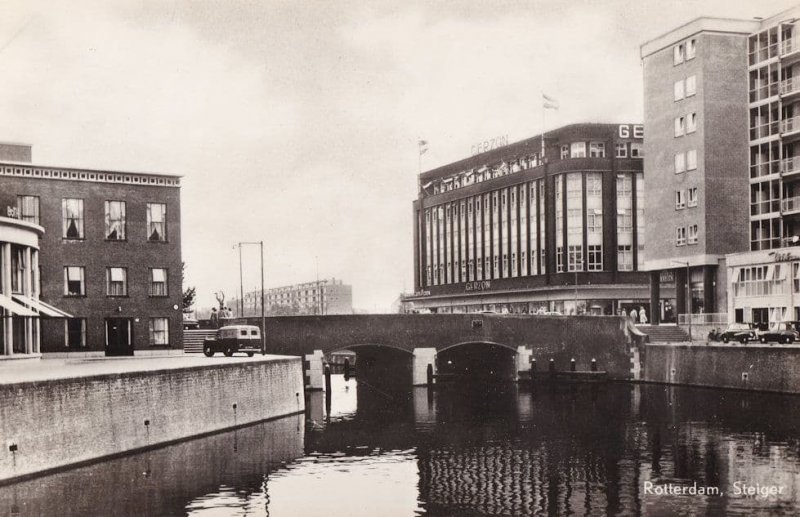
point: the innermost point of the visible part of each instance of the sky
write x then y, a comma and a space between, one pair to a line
296, 122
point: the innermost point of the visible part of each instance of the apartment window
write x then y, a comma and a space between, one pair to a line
691, 123
691, 85
74, 281
156, 222
680, 199
17, 269
28, 208
159, 331
621, 150
115, 220
680, 163
564, 151
158, 282
72, 218
692, 196
625, 257
637, 151
575, 258
691, 49
691, 160
680, 236
577, 150
595, 257
678, 90
597, 149
116, 281
692, 234
677, 54
75, 332
680, 126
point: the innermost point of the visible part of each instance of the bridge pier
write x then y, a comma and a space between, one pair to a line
313, 370
524, 354
422, 358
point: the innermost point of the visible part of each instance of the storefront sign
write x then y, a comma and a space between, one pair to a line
12, 212
481, 285
783, 256
488, 145
667, 277
637, 130
422, 293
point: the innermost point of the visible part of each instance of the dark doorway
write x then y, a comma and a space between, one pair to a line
119, 336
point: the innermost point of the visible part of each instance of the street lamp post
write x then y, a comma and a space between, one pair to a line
263, 313
688, 293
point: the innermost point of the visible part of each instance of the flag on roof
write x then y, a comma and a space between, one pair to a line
549, 102
423, 147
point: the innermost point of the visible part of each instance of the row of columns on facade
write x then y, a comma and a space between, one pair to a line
29, 289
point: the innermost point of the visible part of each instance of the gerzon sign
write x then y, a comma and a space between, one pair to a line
481, 285
488, 145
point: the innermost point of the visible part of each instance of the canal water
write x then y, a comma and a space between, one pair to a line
617, 449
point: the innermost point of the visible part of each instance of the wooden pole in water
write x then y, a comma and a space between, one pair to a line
430, 375
328, 378
572, 364
347, 369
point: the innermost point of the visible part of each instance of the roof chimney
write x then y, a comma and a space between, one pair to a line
15, 152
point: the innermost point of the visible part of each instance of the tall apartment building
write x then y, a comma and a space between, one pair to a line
722, 108
326, 296
109, 253
510, 230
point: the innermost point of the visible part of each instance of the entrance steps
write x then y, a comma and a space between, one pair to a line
193, 340
664, 333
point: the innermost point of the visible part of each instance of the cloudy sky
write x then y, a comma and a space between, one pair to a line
296, 122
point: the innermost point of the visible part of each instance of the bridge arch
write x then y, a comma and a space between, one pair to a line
341, 348
479, 342
478, 358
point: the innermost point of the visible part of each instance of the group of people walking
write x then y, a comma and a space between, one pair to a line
224, 313
640, 317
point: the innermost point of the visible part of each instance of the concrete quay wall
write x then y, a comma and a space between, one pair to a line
55, 423
751, 367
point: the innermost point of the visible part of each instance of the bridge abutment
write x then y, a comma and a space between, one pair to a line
422, 358
313, 370
524, 354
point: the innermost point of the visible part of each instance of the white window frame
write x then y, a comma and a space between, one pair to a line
597, 149
158, 336
691, 86
680, 126
691, 199
577, 150
691, 49
73, 210
637, 150
80, 271
680, 236
691, 123
680, 199
564, 151
116, 275
621, 150
678, 92
82, 344
680, 163
691, 160
692, 234
159, 277
677, 54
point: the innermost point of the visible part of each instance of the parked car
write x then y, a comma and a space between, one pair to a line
234, 338
783, 332
741, 332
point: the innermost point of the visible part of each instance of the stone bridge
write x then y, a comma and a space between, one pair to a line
430, 338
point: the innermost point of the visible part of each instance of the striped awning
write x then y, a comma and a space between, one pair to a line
15, 308
44, 309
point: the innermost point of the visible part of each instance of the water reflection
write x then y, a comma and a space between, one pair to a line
462, 450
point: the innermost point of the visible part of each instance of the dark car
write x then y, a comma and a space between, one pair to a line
783, 332
234, 338
741, 332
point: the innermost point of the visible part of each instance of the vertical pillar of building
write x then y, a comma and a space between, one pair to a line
35, 294
419, 248
27, 289
655, 296
709, 298
5, 249
680, 290
422, 358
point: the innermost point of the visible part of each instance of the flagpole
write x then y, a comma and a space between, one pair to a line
419, 166
541, 161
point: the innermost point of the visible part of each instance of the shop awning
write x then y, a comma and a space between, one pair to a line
15, 308
43, 308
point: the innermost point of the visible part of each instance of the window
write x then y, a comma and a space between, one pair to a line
564, 151
117, 281
72, 218
691, 123
625, 257
115, 220
159, 331
156, 222
17, 269
28, 208
693, 196
680, 163
677, 54
636, 150
75, 332
693, 234
680, 126
678, 90
691, 85
691, 49
680, 199
621, 150
158, 282
595, 257
74, 281
691, 160
577, 150
680, 236
597, 149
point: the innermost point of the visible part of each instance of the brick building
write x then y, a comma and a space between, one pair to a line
512, 230
110, 253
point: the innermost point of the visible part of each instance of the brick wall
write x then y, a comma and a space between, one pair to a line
62, 422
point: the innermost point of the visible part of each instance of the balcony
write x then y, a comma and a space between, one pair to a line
790, 205
790, 126
790, 50
790, 166
790, 86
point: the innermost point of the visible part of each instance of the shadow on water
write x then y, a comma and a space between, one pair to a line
463, 449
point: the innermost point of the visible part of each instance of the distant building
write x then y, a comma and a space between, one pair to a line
109, 253
510, 230
327, 296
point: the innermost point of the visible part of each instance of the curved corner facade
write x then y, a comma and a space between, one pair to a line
553, 224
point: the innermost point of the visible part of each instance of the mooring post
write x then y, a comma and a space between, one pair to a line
551, 365
347, 369
429, 373
594, 364
572, 364
327, 378
533, 364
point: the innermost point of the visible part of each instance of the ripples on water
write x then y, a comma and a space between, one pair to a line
460, 451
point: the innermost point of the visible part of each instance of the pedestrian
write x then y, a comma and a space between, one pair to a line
642, 316
634, 316
214, 317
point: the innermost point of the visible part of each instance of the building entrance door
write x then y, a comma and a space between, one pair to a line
119, 336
